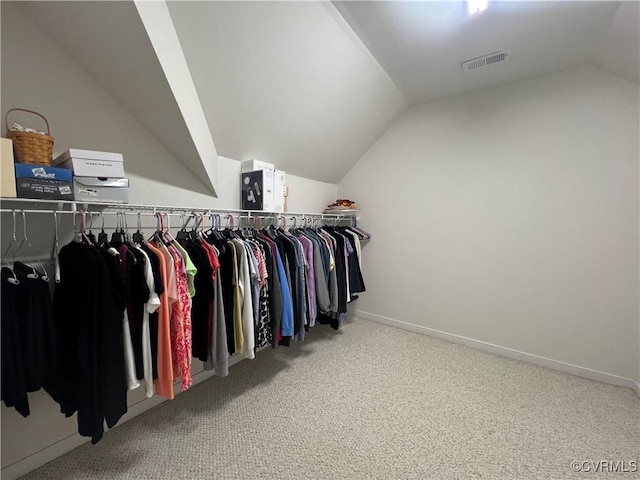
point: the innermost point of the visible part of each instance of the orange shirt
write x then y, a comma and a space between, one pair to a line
164, 382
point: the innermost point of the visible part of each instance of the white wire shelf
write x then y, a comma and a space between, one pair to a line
28, 205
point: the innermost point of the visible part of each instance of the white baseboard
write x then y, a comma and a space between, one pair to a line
506, 352
59, 448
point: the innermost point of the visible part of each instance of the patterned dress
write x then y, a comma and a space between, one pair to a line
181, 325
264, 333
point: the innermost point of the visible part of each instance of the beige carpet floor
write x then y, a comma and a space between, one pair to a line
371, 402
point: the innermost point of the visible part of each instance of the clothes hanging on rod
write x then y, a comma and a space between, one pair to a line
29, 359
130, 312
89, 304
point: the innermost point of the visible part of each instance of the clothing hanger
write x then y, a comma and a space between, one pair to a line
79, 235
195, 233
138, 237
125, 232
127, 237
90, 235
117, 238
218, 232
84, 226
281, 228
103, 238
210, 230
292, 230
182, 233
213, 233
13, 279
25, 241
166, 236
308, 223
227, 232
242, 231
55, 249
157, 235
198, 229
77, 238
215, 236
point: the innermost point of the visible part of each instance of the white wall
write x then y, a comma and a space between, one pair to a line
510, 216
37, 75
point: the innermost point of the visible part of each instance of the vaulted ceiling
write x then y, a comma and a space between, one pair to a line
421, 45
310, 86
286, 82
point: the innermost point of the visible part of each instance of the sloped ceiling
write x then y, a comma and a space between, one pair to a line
109, 41
310, 86
286, 82
422, 44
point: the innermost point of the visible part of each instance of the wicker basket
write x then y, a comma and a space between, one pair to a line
30, 147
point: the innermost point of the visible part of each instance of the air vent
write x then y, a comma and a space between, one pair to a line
485, 61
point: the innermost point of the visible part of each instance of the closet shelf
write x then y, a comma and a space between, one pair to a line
65, 206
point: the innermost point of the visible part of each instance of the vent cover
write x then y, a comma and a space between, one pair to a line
485, 61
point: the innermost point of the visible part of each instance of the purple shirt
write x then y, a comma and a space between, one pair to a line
307, 246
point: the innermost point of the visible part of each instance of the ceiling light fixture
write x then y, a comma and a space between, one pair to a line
477, 6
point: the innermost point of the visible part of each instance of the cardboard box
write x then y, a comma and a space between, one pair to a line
100, 189
279, 188
256, 190
90, 163
7, 169
254, 165
43, 183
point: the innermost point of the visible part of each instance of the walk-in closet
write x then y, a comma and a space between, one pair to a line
320, 239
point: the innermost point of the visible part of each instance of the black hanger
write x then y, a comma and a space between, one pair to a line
103, 239
194, 234
117, 238
90, 235
138, 237
182, 233
207, 234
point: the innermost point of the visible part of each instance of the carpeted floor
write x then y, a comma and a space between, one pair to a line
371, 402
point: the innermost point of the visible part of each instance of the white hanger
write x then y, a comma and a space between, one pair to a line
13, 279
56, 249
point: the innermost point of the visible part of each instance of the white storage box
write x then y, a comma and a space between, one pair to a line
254, 165
100, 189
279, 188
90, 163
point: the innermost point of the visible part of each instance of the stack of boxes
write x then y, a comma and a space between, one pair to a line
97, 176
262, 187
31, 180
80, 175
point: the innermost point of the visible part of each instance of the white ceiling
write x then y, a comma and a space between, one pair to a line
422, 44
292, 84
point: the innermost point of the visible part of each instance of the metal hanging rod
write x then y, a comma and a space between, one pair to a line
71, 206
177, 213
